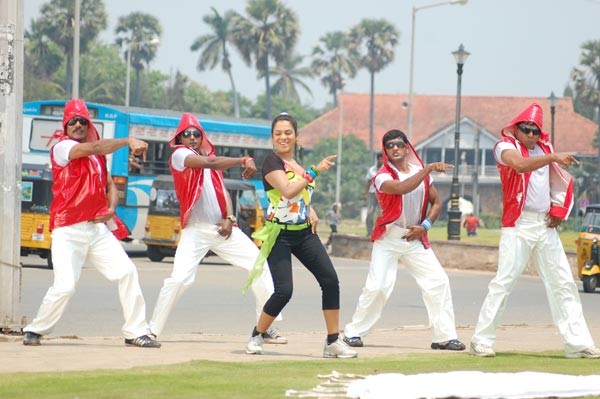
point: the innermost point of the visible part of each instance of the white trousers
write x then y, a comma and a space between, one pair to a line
196, 240
423, 266
531, 237
94, 245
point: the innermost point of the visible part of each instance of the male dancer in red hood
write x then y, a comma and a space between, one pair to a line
207, 221
410, 204
85, 198
537, 196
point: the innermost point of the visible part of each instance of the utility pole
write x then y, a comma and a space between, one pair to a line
11, 119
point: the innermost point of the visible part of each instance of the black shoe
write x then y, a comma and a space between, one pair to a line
452, 345
32, 339
355, 342
143, 341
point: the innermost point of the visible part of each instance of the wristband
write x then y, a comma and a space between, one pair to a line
312, 173
308, 177
314, 169
427, 223
246, 159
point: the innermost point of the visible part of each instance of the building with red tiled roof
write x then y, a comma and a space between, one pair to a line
482, 118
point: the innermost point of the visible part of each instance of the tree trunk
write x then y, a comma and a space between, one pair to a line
137, 88
236, 104
268, 88
371, 118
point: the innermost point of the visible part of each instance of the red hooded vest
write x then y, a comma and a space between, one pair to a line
79, 189
514, 185
391, 204
188, 183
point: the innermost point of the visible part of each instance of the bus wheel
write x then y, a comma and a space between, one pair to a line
590, 283
154, 253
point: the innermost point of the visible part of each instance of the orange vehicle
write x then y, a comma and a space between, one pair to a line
36, 196
588, 261
163, 227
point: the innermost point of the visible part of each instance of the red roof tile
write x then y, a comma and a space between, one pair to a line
573, 132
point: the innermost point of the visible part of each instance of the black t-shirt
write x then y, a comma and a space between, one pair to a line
272, 162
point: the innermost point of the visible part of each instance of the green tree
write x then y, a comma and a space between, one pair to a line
57, 20
586, 79
137, 32
372, 45
333, 62
289, 74
102, 72
355, 162
214, 48
270, 30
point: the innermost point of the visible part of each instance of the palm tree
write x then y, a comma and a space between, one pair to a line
271, 30
333, 61
56, 22
137, 30
377, 38
215, 48
289, 74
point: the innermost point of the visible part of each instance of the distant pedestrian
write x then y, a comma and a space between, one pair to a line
334, 217
471, 223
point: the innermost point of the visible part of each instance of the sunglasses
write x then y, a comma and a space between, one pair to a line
82, 121
191, 132
391, 144
527, 130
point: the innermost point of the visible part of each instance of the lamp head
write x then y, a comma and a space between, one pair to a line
461, 55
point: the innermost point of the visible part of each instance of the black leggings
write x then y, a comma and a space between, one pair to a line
309, 250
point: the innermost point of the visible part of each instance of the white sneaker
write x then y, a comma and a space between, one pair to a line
255, 345
338, 349
588, 353
273, 336
482, 350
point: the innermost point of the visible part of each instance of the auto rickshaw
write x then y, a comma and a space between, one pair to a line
36, 196
588, 261
163, 226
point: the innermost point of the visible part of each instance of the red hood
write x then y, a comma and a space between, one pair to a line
77, 107
187, 121
533, 113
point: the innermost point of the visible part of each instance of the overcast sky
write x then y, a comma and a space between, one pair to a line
518, 47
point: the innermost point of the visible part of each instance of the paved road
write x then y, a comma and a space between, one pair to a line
214, 304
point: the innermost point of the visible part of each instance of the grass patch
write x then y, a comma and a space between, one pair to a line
261, 380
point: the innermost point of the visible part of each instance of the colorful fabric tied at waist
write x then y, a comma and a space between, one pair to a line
268, 235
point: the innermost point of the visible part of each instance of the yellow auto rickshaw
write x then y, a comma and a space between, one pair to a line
163, 227
36, 196
588, 261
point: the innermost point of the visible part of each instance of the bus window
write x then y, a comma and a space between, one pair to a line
42, 133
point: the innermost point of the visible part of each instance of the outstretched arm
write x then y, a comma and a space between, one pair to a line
408, 185
108, 146
220, 163
515, 160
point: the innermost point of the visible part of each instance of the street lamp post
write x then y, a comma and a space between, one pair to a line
552, 99
412, 57
454, 214
128, 79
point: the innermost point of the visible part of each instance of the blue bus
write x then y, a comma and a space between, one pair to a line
231, 137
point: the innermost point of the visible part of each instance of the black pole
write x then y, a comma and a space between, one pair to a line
454, 212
